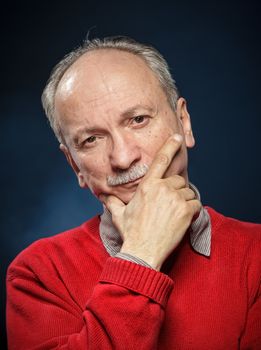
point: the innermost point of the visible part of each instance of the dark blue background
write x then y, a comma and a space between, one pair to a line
213, 48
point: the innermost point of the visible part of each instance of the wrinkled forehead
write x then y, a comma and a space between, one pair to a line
105, 71
101, 87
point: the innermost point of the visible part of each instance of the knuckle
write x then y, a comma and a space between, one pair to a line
179, 181
175, 141
195, 208
144, 188
162, 158
191, 193
199, 205
182, 181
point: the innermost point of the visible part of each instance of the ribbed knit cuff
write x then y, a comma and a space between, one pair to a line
142, 280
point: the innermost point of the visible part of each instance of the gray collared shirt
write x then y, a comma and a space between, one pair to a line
200, 234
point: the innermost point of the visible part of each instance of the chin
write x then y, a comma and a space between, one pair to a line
125, 196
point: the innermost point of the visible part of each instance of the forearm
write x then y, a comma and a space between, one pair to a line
125, 310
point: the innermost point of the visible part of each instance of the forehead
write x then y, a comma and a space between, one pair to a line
103, 83
105, 71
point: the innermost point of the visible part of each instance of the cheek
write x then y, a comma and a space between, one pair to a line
94, 170
153, 141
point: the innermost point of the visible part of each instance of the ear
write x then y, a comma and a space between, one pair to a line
72, 163
184, 118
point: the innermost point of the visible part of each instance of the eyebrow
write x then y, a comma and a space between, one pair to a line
128, 113
80, 132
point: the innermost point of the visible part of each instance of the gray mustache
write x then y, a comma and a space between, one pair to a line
132, 174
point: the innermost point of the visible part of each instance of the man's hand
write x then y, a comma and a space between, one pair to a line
154, 222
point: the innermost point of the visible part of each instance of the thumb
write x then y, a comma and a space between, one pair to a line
112, 203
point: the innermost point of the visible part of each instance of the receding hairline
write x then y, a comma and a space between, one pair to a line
149, 76
153, 59
104, 50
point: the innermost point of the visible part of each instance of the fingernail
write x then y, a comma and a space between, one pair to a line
177, 137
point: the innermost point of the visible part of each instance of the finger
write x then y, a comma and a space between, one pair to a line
195, 206
176, 182
164, 157
112, 203
187, 194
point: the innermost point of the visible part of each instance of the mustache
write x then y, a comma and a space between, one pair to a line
132, 174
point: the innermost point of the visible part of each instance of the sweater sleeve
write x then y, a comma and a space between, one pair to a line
252, 336
124, 311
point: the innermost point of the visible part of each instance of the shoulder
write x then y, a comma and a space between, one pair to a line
60, 246
247, 230
237, 245
237, 242
234, 239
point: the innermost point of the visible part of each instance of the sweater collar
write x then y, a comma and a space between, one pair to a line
200, 231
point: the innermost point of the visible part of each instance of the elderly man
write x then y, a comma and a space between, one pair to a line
156, 270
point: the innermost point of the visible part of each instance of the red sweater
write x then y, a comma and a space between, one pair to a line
65, 292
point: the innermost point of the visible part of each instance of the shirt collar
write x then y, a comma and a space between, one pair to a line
200, 231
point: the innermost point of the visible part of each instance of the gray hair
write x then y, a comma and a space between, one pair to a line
154, 60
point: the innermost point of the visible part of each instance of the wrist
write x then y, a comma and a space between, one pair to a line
149, 260
132, 258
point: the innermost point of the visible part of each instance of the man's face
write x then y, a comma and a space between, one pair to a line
114, 117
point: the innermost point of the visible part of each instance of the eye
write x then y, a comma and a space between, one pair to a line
139, 119
90, 139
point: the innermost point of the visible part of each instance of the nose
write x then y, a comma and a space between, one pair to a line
124, 152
